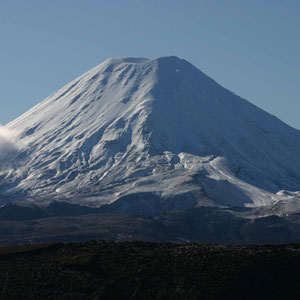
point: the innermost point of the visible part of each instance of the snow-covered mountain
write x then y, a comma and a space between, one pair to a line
148, 135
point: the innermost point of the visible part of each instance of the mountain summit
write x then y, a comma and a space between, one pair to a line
149, 135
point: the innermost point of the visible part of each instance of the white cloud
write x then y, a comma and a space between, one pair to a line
8, 142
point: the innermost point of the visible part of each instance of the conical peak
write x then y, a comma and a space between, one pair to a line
161, 65
131, 117
161, 61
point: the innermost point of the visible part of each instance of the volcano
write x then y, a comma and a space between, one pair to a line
151, 135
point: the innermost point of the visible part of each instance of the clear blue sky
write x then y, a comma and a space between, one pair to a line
250, 47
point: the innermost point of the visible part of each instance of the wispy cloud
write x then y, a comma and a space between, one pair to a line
9, 142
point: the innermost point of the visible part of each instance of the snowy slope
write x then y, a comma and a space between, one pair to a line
157, 130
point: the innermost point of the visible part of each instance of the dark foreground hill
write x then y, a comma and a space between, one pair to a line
140, 270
